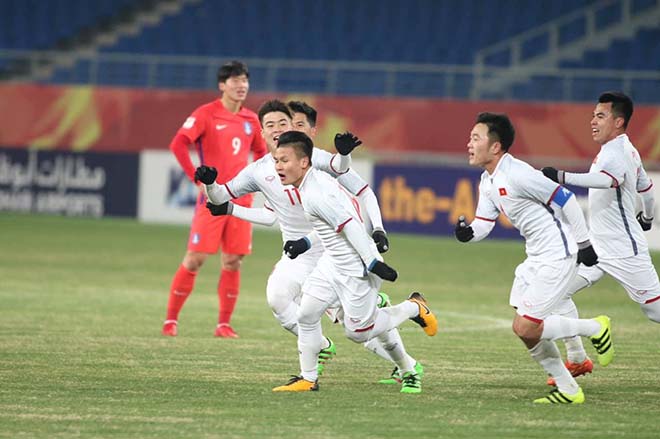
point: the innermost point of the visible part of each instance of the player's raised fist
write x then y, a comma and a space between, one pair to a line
206, 174
383, 271
463, 232
346, 142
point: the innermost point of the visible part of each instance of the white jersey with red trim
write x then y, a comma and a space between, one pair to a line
283, 200
615, 231
329, 207
524, 195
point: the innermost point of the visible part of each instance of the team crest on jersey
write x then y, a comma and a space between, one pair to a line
502, 191
248, 128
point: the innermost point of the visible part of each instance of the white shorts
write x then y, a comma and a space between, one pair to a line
540, 286
636, 274
356, 295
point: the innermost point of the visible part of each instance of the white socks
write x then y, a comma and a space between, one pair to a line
547, 355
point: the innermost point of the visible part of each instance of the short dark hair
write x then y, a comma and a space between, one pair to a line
500, 128
271, 107
306, 109
622, 105
299, 141
232, 68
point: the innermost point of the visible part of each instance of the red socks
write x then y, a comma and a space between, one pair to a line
182, 286
228, 294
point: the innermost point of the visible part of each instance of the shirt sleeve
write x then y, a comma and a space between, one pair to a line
608, 162
194, 126
321, 160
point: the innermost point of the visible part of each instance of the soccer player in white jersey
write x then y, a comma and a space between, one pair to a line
349, 272
284, 285
615, 181
550, 220
304, 120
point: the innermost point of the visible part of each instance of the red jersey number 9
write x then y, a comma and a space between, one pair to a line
236, 144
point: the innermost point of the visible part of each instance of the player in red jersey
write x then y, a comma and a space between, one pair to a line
223, 133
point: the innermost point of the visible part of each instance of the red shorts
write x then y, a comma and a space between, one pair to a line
209, 233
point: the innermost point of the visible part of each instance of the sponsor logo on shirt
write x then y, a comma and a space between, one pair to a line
220, 127
502, 191
270, 178
247, 127
189, 123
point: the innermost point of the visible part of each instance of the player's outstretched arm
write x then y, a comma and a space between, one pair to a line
596, 180
261, 216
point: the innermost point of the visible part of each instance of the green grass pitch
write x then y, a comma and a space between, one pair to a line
82, 302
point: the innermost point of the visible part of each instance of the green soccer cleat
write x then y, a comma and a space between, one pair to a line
395, 377
557, 397
603, 341
325, 355
383, 300
411, 383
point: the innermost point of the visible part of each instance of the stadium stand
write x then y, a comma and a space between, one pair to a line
370, 47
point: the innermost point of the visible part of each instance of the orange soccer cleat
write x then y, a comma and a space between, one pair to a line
225, 331
576, 370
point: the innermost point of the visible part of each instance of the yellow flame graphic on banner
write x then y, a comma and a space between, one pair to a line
75, 120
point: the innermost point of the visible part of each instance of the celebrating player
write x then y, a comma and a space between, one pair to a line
224, 133
540, 210
349, 273
615, 179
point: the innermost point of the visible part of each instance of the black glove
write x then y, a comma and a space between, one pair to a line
383, 271
382, 243
220, 209
645, 222
294, 248
463, 232
553, 174
206, 174
346, 142
586, 254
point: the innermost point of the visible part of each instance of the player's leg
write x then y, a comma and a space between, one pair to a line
310, 343
236, 242
204, 239
535, 293
577, 361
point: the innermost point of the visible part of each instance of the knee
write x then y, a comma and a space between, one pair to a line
193, 261
231, 262
307, 317
526, 333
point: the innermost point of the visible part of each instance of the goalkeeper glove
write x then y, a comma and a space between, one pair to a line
586, 254
346, 142
380, 238
645, 222
554, 174
225, 208
206, 174
383, 271
294, 248
463, 232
